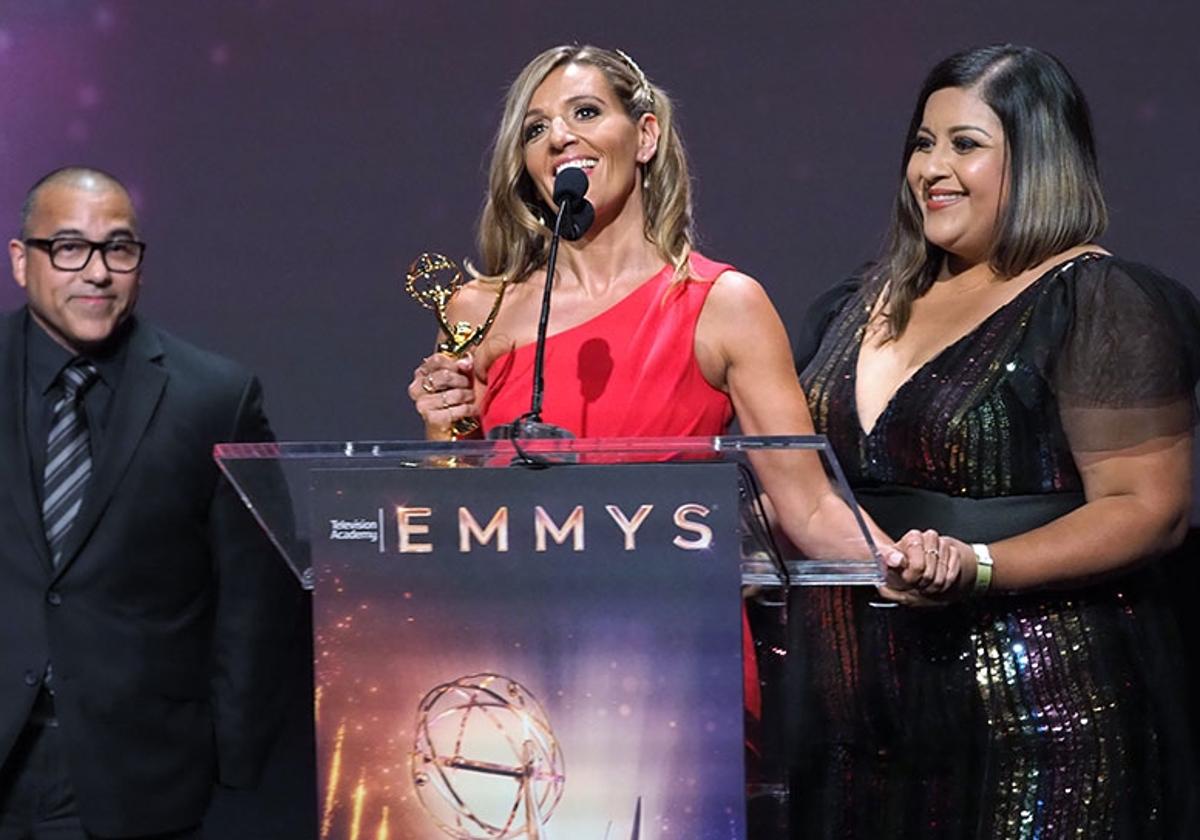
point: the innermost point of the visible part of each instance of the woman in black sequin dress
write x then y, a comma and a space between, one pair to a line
1003, 380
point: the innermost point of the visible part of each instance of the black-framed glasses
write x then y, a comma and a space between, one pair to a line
70, 253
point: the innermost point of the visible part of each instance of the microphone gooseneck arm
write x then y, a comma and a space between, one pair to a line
539, 356
575, 215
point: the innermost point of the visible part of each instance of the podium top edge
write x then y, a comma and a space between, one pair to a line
366, 449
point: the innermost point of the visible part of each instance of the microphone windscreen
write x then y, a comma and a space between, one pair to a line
570, 186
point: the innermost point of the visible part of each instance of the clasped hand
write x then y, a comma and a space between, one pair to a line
928, 569
442, 389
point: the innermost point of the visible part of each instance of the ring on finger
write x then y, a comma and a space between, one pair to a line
445, 404
932, 552
427, 384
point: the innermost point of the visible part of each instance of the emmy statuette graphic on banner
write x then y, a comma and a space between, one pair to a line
486, 764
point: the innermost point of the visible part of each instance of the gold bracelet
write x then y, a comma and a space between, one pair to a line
983, 568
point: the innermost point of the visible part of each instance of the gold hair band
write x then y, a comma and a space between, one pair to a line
643, 82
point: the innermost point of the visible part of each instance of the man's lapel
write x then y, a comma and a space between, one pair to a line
142, 382
15, 472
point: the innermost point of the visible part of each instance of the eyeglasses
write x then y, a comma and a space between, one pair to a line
70, 254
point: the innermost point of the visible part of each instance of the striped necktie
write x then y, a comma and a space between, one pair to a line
68, 456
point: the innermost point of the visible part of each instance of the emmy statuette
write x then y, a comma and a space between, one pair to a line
431, 281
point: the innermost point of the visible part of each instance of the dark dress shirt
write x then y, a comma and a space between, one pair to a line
44, 361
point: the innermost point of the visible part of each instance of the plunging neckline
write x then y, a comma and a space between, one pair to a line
864, 432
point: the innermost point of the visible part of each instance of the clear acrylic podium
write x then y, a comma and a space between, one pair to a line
544, 638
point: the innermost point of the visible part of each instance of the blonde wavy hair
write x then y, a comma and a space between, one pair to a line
513, 239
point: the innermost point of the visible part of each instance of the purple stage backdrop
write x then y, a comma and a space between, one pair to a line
290, 157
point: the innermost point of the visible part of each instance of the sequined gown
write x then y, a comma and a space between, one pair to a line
1039, 715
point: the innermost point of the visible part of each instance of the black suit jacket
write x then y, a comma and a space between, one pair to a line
162, 617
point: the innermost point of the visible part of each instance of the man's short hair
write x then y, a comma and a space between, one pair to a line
79, 176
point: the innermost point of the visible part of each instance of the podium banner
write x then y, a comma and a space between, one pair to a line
533, 653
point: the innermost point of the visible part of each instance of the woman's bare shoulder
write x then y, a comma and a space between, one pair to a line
738, 296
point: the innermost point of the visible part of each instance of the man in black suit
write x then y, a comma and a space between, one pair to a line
139, 604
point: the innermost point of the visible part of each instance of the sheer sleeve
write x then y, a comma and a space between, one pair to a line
821, 312
1127, 365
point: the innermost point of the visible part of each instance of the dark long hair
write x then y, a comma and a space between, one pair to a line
1054, 196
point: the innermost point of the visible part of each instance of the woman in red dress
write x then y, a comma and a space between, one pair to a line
647, 337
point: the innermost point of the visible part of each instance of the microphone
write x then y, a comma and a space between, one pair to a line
575, 216
570, 186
